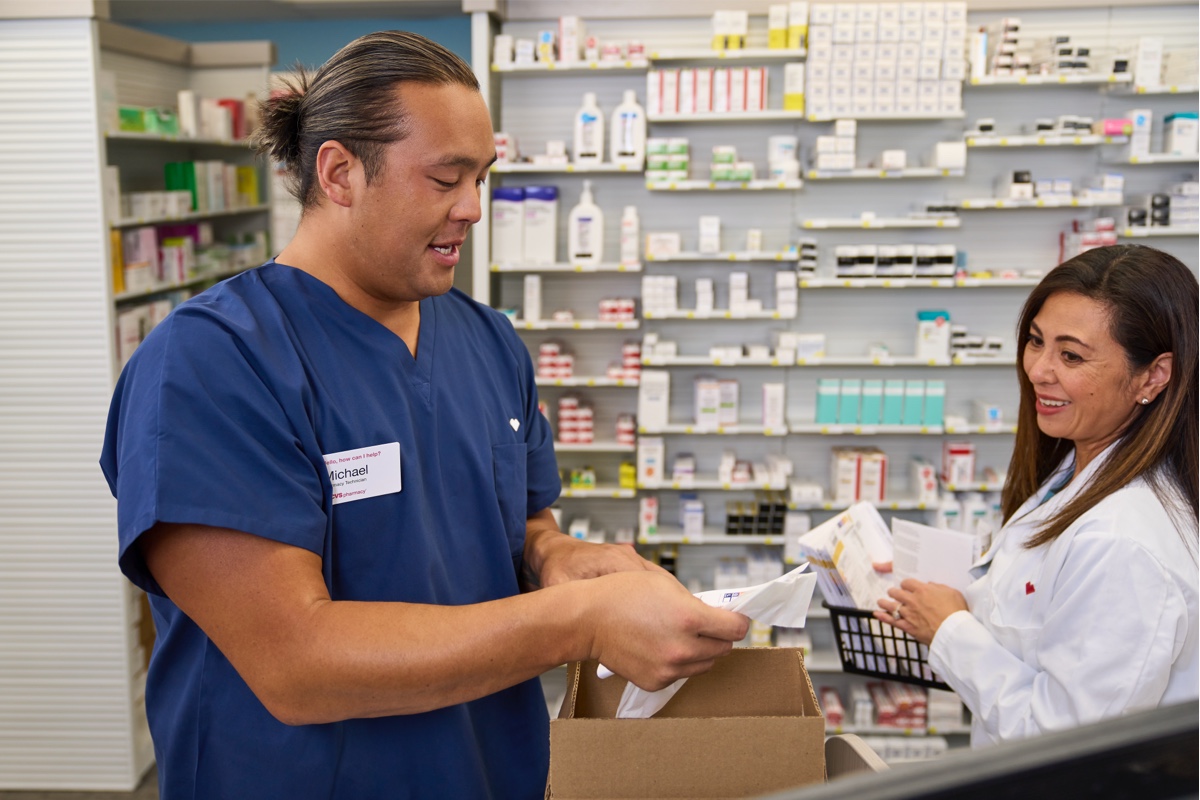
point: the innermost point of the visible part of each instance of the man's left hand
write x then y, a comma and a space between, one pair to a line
552, 557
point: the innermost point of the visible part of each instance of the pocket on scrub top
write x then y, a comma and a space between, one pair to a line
508, 466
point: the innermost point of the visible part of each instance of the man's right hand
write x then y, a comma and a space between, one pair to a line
649, 629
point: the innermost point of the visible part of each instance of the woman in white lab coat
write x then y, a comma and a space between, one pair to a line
1086, 605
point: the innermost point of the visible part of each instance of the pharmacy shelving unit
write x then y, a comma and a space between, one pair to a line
140, 158
1056, 80
1157, 158
1042, 140
874, 223
872, 173
1173, 231
857, 315
71, 654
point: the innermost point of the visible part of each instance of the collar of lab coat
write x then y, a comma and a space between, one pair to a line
1031, 514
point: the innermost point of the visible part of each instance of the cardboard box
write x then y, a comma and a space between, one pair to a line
748, 727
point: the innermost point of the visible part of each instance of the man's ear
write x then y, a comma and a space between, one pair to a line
336, 171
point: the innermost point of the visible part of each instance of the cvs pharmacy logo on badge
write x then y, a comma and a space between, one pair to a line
365, 472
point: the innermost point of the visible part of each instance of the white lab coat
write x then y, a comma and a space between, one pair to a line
1099, 622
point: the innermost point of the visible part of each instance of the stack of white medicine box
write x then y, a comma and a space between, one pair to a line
1185, 204
660, 294
1148, 61
837, 152
885, 59
1179, 67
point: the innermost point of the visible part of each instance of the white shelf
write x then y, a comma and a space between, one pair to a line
567, 267
916, 283
714, 315
699, 185
709, 485
123, 297
714, 485
519, 167
842, 429
1159, 158
887, 117
830, 361
1182, 88
708, 536
731, 116
195, 215
976, 486
899, 504
996, 283
557, 68
129, 136
879, 223
607, 492
743, 54
1036, 202
905, 361
720, 430
873, 173
588, 381
1159, 231
709, 361
728, 255
1043, 140
1052, 80
980, 429
575, 325
594, 447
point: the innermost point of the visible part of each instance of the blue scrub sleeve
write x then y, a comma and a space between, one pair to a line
200, 433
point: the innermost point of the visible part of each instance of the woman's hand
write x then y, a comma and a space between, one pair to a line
919, 608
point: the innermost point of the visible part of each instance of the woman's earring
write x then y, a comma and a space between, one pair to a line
1145, 401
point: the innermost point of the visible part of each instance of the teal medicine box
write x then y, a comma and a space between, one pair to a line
893, 402
827, 400
914, 402
935, 400
870, 411
849, 401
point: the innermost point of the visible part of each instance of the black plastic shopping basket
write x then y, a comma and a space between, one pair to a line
869, 647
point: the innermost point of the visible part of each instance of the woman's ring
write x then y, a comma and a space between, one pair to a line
896, 612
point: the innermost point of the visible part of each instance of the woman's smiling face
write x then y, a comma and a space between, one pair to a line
1084, 389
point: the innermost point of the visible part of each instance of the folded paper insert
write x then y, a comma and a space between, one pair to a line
783, 602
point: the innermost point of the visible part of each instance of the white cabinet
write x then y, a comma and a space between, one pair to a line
71, 659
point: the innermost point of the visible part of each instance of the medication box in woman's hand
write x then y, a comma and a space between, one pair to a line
749, 726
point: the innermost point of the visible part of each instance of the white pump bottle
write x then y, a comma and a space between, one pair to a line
585, 230
589, 131
628, 140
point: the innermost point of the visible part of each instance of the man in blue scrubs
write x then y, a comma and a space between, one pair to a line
334, 481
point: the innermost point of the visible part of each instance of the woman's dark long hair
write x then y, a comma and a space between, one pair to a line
1152, 302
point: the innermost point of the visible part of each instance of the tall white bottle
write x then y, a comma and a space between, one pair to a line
628, 141
585, 230
631, 234
589, 131
948, 513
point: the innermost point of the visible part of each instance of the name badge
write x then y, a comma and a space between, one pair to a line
365, 472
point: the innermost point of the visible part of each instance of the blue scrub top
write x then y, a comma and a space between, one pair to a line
222, 418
